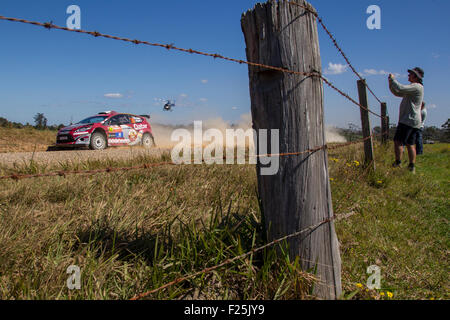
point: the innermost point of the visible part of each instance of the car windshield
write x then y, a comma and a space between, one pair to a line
96, 119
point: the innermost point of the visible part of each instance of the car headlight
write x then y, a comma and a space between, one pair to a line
82, 129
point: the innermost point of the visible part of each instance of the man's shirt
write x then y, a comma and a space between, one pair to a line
411, 104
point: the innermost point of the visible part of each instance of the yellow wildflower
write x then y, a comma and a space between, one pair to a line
390, 294
359, 285
379, 182
331, 179
356, 163
382, 293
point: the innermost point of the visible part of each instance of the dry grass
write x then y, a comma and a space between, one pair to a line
25, 140
134, 231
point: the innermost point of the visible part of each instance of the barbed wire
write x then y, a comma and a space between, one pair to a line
49, 25
62, 173
151, 165
333, 39
242, 256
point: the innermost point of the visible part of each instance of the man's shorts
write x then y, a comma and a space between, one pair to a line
405, 135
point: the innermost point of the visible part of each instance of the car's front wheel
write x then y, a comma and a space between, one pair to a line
148, 141
98, 141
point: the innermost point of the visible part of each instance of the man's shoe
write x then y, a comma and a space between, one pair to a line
412, 168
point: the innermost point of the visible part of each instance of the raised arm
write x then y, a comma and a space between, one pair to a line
401, 90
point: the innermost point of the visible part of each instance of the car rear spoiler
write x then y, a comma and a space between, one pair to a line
145, 116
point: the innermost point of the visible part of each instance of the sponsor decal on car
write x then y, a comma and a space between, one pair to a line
117, 135
140, 126
113, 141
115, 129
132, 135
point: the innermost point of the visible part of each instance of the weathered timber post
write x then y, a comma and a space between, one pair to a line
384, 124
365, 124
298, 196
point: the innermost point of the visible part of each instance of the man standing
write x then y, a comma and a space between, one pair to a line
419, 138
409, 120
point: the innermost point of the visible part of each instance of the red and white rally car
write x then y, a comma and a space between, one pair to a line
106, 129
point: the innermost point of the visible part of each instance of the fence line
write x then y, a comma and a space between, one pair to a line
49, 25
231, 260
218, 56
62, 173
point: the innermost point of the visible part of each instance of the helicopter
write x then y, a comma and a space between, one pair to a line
169, 105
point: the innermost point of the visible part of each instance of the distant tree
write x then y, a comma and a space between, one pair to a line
446, 129
40, 120
3, 122
352, 132
431, 133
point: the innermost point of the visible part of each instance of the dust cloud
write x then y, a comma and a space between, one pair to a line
163, 132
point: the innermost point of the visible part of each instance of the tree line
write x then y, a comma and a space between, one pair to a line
353, 132
442, 134
40, 123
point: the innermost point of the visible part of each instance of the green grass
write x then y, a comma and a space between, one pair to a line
402, 226
131, 232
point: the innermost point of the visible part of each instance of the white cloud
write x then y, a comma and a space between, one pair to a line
370, 72
183, 95
435, 55
335, 68
204, 81
203, 99
234, 108
113, 95
373, 72
431, 106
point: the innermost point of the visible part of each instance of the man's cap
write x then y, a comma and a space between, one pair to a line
418, 72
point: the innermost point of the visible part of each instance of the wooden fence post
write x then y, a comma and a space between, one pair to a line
298, 196
365, 124
384, 124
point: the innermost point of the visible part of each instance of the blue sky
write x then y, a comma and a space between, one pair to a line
71, 76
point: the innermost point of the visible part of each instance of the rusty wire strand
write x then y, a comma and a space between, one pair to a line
17, 176
147, 166
49, 25
242, 256
333, 39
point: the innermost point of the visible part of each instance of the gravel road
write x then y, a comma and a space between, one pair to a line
21, 158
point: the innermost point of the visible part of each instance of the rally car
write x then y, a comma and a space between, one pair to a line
106, 129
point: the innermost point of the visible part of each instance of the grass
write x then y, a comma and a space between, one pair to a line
131, 232
25, 139
402, 226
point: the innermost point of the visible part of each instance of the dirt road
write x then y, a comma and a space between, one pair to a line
55, 157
